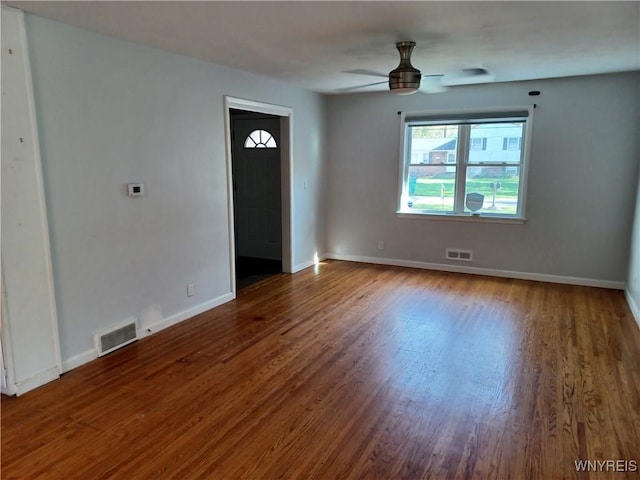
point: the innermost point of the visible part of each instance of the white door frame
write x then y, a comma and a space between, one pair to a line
8, 382
30, 336
286, 176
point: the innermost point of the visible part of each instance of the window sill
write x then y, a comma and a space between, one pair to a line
452, 217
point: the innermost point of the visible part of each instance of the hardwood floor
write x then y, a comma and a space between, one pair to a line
352, 371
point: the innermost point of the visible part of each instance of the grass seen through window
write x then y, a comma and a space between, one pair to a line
438, 193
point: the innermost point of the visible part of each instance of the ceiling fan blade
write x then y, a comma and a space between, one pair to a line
357, 87
469, 76
433, 89
432, 84
474, 72
370, 73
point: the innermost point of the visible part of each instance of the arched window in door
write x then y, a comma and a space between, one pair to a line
260, 139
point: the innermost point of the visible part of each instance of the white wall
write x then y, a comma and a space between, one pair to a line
112, 112
581, 190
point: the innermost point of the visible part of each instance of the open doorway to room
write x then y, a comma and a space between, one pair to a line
256, 146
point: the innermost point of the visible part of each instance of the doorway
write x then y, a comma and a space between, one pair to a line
284, 115
257, 195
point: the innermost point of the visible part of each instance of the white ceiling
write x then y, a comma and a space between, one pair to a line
313, 44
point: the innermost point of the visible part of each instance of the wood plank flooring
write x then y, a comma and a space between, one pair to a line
352, 371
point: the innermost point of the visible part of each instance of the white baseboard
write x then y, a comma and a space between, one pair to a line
78, 360
633, 306
186, 314
309, 263
9, 390
302, 266
90, 355
35, 381
587, 282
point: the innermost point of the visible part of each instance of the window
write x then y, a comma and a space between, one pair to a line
476, 168
478, 143
512, 143
260, 139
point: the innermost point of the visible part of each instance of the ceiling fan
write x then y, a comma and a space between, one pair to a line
405, 79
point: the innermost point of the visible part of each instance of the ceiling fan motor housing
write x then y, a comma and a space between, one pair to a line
405, 78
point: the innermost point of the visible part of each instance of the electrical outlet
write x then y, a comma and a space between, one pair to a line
190, 289
380, 245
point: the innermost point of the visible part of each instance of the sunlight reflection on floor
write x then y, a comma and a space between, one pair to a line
464, 359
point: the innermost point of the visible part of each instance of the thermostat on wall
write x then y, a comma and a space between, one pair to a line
135, 189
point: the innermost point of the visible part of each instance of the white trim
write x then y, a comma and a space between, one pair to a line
255, 106
525, 160
309, 263
37, 380
10, 390
404, 166
230, 212
90, 355
462, 165
454, 217
303, 265
7, 345
286, 159
184, 315
46, 242
79, 360
540, 277
633, 306
286, 182
53, 363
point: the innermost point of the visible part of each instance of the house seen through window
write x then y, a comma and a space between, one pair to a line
465, 164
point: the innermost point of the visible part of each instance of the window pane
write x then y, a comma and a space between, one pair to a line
431, 144
498, 185
495, 142
478, 143
432, 167
260, 139
431, 187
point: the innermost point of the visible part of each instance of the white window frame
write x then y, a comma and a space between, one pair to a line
454, 117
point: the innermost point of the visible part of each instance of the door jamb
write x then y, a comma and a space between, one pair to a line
286, 177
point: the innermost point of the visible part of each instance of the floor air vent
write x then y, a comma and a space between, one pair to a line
111, 340
455, 254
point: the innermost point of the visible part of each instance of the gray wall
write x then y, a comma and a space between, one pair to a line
581, 189
112, 112
633, 280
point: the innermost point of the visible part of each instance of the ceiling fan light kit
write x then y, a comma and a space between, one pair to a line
405, 79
